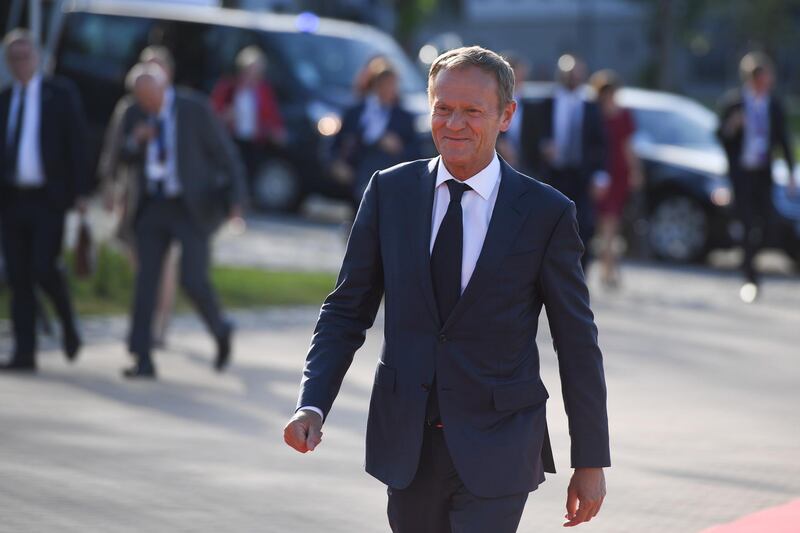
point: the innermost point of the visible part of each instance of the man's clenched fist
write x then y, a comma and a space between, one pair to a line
304, 431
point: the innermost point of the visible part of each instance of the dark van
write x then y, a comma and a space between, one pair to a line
312, 65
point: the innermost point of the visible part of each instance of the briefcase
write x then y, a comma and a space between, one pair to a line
83, 251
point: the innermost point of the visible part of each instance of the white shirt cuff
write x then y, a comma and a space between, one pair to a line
313, 410
601, 179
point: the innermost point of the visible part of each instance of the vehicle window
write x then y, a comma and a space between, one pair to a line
102, 46
223, 43
333, 62
659, 126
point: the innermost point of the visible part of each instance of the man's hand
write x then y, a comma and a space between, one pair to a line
585, 495
304, 431
82, 205
143, 132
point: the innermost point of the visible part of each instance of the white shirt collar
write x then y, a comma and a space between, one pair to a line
482, 183
32, 84
576, 94
166, 105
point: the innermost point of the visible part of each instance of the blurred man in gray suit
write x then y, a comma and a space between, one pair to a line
188, 180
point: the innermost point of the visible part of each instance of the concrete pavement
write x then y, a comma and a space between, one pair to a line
703, 403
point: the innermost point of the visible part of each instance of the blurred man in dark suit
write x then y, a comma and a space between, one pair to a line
44, 169
565, 144
188, 179
753, 126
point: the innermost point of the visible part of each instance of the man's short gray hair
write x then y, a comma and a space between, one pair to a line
486, 60
753, 64
16, 36
145, 70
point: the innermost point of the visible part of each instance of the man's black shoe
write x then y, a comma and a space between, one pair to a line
140, 371
224, 349
15, 365
72, 345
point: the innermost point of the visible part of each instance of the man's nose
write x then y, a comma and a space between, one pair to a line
456, 120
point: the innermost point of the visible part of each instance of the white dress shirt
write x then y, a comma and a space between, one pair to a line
567, 124
755, 152
477, 206
245, 113
30, 171
166, 172
374, 120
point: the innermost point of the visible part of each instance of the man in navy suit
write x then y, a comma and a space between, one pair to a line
43, 173
467, 251
566, 146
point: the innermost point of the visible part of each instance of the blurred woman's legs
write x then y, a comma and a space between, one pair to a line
608, 230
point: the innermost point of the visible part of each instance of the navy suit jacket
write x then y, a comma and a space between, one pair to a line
62, 139
540, 128
484, 357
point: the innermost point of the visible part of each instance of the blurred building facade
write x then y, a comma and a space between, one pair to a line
606, 33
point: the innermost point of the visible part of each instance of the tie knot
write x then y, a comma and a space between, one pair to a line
457, 190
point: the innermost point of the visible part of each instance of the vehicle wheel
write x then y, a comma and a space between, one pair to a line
678, 230
277, 186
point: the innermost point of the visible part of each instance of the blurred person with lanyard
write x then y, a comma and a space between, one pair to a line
248, 107
376, 133
189, 180
120, 184
512, 143
753, 126
567, 146
44, 172
465, 252
624, 168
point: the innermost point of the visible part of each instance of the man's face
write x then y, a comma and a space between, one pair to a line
466, 118
23, 61
762, 82
386, 89
149, 94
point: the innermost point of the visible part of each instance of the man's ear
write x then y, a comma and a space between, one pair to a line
508, 114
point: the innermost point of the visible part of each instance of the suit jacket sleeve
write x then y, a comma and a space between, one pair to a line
597, 151
219, 147
76, 139
348, 311
784, 137
580, 362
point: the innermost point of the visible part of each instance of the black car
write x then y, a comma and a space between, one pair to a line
312, 65
686, 207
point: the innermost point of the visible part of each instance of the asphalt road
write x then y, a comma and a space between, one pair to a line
703, 404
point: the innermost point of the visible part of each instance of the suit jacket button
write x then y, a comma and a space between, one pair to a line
426, 387
442, 338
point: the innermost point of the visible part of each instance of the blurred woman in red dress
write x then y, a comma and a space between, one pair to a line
624, 169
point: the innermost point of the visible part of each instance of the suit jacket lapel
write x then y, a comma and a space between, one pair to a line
423, 202
507, 218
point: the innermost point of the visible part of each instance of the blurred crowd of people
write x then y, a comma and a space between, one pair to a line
175, 165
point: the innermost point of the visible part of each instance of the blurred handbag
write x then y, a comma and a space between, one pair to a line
83, 250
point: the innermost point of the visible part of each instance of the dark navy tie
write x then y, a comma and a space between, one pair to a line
447, 251
446, 271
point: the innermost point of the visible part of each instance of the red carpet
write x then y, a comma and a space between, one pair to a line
782, 519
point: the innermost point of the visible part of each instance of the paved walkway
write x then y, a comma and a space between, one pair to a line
703, 406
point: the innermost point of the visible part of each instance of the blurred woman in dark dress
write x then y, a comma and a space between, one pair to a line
624, 168
376, 133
